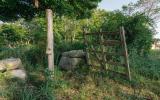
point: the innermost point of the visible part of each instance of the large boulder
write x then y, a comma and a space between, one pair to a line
18, 73
2, 68
13, 67
71, 59
11, 63
67, 63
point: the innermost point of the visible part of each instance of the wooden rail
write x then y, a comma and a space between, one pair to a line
108, 54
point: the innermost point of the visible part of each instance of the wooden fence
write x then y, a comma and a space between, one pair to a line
108, 50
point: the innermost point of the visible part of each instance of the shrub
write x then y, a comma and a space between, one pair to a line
13, 34
139, 30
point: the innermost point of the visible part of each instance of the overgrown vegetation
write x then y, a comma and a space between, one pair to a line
26, 39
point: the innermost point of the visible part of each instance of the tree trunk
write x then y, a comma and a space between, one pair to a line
50, 39
36, 3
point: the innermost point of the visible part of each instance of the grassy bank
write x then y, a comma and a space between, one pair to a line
85, 83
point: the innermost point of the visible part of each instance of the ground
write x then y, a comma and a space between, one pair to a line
83, 83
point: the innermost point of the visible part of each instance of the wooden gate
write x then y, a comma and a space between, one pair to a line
108, 50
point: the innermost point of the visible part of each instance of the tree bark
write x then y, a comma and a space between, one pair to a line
50, 39
36, 3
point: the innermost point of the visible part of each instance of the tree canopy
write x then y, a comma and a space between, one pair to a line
150, 8
13, 9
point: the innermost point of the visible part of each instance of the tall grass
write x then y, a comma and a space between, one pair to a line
147, 66
82, 83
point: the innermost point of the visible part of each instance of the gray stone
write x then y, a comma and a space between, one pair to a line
67, 63
18, 73
74, 54
13, 68
12, 63
71, 59
2, 68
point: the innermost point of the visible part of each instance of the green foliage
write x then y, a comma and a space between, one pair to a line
36, 55
11, 9
14, 9
138, 27
140, 33
20, 90
37, 31
83, 83
11, 34
27, 40
148, 66
65, 33
78, 9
